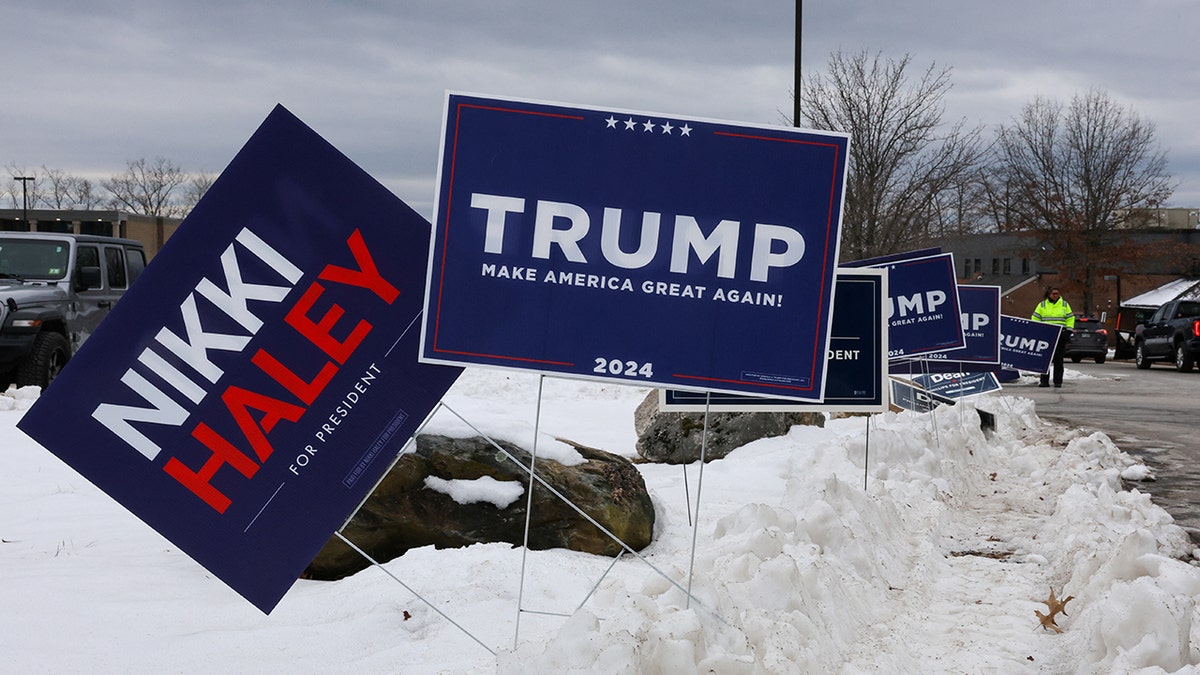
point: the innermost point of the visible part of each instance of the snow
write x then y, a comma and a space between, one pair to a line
485, 489
1137, 472
936, 565
1184, 289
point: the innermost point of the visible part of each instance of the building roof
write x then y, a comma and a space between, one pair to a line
1185, 288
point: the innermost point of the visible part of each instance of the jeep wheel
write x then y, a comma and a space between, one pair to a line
1139, 357
1183, 360
1100, 359
42, 365
1076, 358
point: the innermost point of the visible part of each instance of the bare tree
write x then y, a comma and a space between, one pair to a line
903, 163
962, 208
83, 193
146, 188
1071, 176
50, 189
195, 188
21, 193
60, 194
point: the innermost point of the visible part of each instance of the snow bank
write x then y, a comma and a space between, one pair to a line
818, 568
936, 565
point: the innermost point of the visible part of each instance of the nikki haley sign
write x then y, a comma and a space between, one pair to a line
257, 380
637, 247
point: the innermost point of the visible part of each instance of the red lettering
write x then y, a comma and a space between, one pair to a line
305, 391
319, 333
366, 276
243, 404
199, 482
241, 401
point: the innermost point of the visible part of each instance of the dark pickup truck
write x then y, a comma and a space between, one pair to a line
1173, 333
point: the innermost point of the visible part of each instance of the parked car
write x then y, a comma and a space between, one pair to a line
54, 290
1172, 334
1128, 324
1089, 339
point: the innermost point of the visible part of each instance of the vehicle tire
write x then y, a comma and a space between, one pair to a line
49, 355
1076, 358
1139, 357
1183, 360
1100, 359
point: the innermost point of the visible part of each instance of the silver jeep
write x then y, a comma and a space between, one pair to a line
54, 290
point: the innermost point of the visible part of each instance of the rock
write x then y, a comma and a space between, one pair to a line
404, 513
675, 438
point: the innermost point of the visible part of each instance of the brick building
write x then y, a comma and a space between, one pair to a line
151, 231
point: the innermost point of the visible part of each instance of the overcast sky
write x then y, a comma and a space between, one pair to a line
91, 84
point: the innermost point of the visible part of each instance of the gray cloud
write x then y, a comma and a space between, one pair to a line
90, 85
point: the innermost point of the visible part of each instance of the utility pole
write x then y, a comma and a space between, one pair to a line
796, 73
25, 197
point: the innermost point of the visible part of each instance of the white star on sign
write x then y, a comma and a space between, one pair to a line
648, 125
612, 122
630, 124
666, 127
685, 130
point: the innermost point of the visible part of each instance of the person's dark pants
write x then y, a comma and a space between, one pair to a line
1057, 362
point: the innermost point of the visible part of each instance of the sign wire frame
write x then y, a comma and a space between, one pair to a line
575, 507
533, 477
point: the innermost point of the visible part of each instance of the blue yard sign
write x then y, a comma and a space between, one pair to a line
924, 308
1027, 345
908, 396
639, 247
260, 376
980, 314
957, 385
857, 377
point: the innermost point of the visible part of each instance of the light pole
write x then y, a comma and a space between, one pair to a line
796, 71
1116, 321
24, 198
1116, 278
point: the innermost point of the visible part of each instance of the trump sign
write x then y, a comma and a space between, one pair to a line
260, 376
645, 248
980, 313
857, 376
1026, 344
923, 316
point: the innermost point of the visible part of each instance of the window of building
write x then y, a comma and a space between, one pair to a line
1007, 266
995, 266
1025, 266
100, 227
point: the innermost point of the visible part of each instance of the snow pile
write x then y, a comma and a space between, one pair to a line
938, 564
485, 489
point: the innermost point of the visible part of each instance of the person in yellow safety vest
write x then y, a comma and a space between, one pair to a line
1054, 309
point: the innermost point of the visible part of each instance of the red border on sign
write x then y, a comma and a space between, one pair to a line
448, 200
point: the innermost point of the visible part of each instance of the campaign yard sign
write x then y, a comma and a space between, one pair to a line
857, 376
980, 314
631, 246
908, 396
957, 385
1026, 344
923, 310
260, 376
